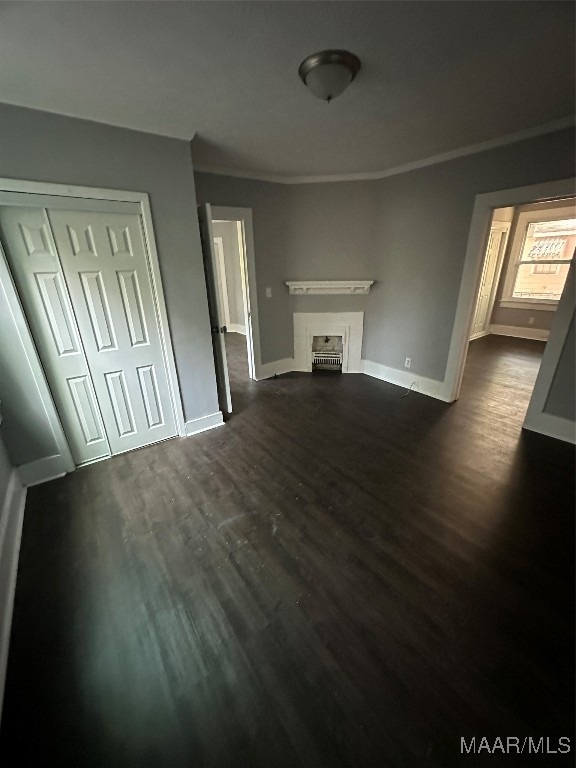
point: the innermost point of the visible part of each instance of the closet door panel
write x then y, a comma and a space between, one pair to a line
40, 282
104, 261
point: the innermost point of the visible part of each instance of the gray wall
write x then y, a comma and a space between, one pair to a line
423, 232
332, 237
519, 318
39, 146
312, 231
227, 230
408, 232
561, 398
271, 229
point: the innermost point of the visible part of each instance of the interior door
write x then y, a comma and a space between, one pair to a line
103, 258
38, 276
215, 308
490, 271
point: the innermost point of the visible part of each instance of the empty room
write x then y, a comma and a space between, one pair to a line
287, 384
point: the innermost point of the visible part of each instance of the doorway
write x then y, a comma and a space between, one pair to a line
228, 249
231, 281
88, 284
522, 280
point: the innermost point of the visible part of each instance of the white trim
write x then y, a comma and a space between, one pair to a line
472, 149
276, 368
535, 304
479, 335
59, 202
524, 217
405, 379
67, 190
520, 333
537, 419
552, 426
204, 423
43, 470
249, 281
479, 228
237, 328
12, 516
325, 287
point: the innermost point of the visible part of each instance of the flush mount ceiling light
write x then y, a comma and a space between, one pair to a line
328, 73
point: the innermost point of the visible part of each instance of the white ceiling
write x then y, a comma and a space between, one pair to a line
437, 76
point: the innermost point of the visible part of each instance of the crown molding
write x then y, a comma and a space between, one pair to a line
472, 149
239, 173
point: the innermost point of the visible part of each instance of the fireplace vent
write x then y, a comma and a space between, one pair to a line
327, 361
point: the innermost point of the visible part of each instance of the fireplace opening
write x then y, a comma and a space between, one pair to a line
327, 353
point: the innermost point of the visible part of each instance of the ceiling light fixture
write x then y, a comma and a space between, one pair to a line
328, 73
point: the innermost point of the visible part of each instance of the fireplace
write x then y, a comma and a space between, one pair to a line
327, 353
343, 350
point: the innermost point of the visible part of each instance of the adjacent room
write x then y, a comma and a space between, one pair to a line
287, 384
524, 274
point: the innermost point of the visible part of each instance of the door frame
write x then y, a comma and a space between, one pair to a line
81, 197
249, 286
504, 228
484, 206
537, 419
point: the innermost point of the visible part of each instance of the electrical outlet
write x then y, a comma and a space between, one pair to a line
408, 362
268, 293
530, 321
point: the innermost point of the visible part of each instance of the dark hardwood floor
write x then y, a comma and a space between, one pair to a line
337, 577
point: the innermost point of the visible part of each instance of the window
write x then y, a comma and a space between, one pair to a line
542, 249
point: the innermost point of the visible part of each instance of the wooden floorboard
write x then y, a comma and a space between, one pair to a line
338, 577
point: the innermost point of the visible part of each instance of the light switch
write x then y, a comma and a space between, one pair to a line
268, 293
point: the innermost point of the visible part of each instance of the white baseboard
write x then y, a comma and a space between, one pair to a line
11, 517
42, 471
237, 328
203, 423
520, 333
277, 368
406, 379
479, 335
552, 426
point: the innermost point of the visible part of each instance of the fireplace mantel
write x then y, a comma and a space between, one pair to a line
309, 287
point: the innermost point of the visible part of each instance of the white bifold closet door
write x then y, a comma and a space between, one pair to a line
84, 283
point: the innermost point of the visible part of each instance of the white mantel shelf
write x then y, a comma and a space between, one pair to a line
309, 287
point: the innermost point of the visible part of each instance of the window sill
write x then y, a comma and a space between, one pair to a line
547, 306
